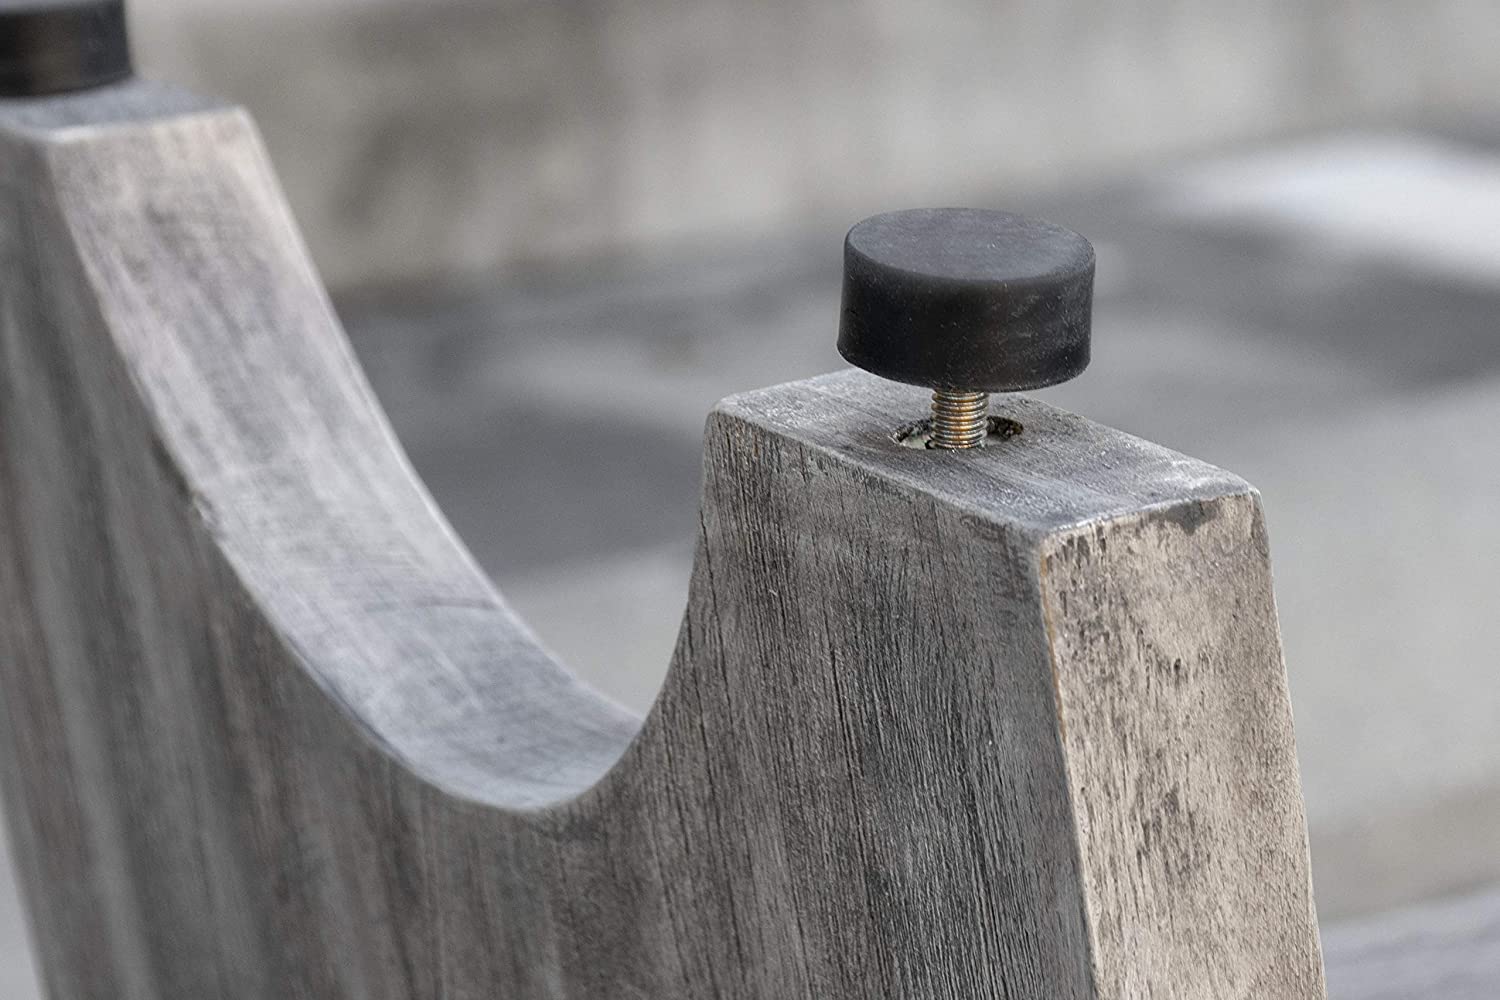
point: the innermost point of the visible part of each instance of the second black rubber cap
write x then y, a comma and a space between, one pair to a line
967, 299
50, 46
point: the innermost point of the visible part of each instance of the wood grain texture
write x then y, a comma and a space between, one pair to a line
268, 732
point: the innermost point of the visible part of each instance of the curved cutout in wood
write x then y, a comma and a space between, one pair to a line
1003, 724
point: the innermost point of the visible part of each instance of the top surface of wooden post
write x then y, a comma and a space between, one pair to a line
1011, 722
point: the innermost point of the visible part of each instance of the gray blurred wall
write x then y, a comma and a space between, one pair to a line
451, 137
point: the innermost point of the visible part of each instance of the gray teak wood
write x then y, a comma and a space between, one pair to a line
1002, 724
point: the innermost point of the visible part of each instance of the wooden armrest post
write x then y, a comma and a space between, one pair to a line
1005, 723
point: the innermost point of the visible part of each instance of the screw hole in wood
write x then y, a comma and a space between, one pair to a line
918, 434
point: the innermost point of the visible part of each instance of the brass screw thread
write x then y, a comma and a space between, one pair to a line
959, 419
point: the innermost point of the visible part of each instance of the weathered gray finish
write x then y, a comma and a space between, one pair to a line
1009, 724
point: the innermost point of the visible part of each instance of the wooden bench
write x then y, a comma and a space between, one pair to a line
1012, 723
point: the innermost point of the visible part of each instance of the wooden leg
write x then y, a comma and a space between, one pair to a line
1007, 723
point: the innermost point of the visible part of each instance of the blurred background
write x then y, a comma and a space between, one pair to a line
559, 231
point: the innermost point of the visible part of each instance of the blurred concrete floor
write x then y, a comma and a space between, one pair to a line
1321, 317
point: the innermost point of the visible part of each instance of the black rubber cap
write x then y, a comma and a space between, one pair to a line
49, 46
967, 300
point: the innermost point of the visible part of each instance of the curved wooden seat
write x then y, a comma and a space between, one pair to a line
1003, 724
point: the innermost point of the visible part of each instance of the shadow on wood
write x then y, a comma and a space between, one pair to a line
1010, 723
